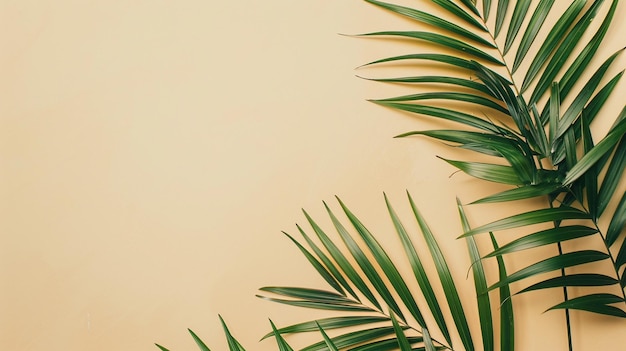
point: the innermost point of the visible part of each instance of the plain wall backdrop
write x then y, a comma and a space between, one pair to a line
151, 153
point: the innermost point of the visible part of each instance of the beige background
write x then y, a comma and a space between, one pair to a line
152, 151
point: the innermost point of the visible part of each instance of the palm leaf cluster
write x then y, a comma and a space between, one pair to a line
234, 345
534, 92
531, 113
373, 306
378, 303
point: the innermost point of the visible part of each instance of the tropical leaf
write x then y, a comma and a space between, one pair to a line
598, 303
551, 264
282, 344
201, 345
480, 285
583, 279
371, 324
507, 318
534, 26
539, 129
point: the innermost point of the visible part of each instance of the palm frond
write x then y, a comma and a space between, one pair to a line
548, 150
369, 259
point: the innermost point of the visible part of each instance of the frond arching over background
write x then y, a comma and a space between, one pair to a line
534, 93
380, 304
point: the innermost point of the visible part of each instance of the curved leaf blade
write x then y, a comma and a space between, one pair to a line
363, 261
280, 341
201, 345
439, 39
233, 344
596, 303
329, 323
543, 238
487, 171
307, 294
329, 343
501, 10
519, 13
536, 22
507, 320
321, 270
595, 154
480, 285
564, 50
460, 82
328, 305
343, 262
583, 279
618, 222
529, 218
439, 58
403, 342
554, 263
551, 42
449, 288
435, 21
576, 69
455, 96
388, 267
353, 338
420, 276
443, 113
460, 13
521, 193
612, 177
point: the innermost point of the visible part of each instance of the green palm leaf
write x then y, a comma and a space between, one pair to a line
529, 218
565, 49
454, 96
353, 338
488, 171
536, 23
618, 222
575, 70
420, 276
323, 272
461, 14
403, 342
446, 114
521, 193
480, 285
282, 344
455, 81
439, 39
329, 343
343, 263
233, 344
449, 288
612, 177
557, 32
329, 323
582, 99
595, 154
552, 264
448, 60
598, 303
583, 279
435, 21
389, 345
543, 238
363, 261
201, 345
507, 320
519, 13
